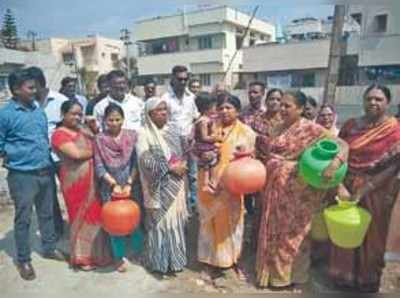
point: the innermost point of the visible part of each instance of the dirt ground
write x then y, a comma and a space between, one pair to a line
59, 278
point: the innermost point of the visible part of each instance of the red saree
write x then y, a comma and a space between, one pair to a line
371, 150
287, 209
88, 243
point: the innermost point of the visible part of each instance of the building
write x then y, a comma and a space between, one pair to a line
204, 40
285, 65
10, 60
376, 49
371, 56
312, 28
90, 56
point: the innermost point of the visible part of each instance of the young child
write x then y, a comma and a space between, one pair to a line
207, 139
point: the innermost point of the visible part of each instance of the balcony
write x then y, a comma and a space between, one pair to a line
163, 63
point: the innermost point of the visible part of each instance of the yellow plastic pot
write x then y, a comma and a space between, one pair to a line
347, 223
319, 231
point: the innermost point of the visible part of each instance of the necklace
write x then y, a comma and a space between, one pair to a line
372, 124
225, 133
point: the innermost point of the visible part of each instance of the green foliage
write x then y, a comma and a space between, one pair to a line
9, 34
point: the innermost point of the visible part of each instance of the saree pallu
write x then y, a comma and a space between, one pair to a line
88, 242
372, 150
287, 208
165, 194
222, 216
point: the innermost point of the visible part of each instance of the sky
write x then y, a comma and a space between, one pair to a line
79, 18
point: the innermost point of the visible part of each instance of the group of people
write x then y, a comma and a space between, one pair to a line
169, 152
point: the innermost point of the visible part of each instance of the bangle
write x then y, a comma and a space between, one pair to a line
370, 185
340, 158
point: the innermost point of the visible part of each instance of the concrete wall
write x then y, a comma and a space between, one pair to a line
290, 56
11, 60
303, 27
181, 24
377, 48
163, 63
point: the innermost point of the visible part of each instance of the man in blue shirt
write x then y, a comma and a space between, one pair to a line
24, 146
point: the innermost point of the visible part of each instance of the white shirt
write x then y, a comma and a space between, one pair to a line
83, 101
183, 111
131, 105
52, 108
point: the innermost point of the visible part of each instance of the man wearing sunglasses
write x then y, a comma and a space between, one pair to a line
183, 112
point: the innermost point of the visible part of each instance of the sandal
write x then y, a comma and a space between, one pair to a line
87, 268
240, 273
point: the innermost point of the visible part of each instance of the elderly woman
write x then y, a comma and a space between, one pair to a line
288, 204
327, 117
162, 169
373, 177
74, 145
222, 215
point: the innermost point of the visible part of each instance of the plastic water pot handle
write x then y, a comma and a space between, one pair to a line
346, 202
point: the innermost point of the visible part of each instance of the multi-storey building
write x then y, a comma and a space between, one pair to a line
207, 41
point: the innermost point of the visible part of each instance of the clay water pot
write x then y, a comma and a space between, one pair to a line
120, 216
244, 175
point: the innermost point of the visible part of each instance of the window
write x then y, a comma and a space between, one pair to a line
303, 80
348, 71
114, 57
239, 41
205, 42
68, 58
309, 80
357, 17
380, 23
3, 83
205, 79
279, 81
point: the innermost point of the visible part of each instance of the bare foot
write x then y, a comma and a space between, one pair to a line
121, 267
207, 188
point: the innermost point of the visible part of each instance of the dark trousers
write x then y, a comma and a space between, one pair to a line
26, 190
58, 219
249, 203
192, 177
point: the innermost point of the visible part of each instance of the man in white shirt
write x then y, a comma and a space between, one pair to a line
183, 113
131, 105
50, 101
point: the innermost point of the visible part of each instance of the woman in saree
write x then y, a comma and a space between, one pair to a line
74, 145
327, 118
222, 215
270, 122
288, 204
374, 155
162, 170
116, 170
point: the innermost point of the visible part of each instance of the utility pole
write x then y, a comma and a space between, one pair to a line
32, 35
126, 38
336, 51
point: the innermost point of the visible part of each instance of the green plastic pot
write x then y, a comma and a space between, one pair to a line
347, 223
316, 159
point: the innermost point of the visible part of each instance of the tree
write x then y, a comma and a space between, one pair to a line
9, 30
